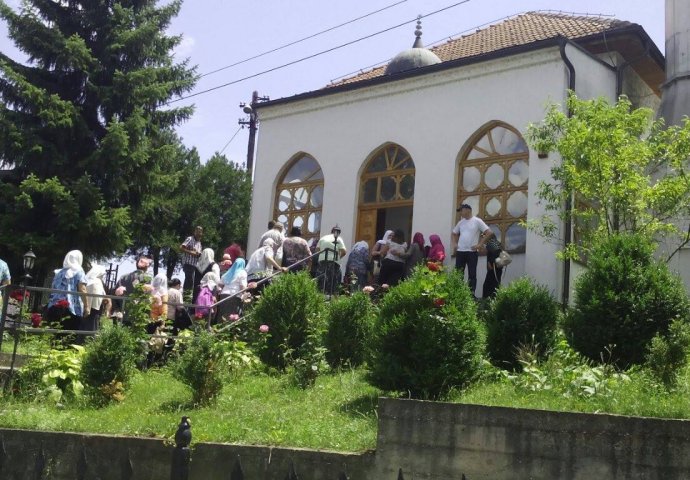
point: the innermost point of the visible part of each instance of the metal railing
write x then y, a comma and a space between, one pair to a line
19, 326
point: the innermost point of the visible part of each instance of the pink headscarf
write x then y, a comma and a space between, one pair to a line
438, 251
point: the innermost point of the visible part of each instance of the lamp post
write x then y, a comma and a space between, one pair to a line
29, 260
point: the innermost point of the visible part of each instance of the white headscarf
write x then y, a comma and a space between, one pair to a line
72, 263
386, 238
207, 258
96, 272
159, 285
210, 280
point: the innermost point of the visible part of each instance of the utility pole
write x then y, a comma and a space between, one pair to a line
252, 122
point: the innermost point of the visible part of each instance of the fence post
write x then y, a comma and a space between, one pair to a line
181, 455
400, 475
3, 315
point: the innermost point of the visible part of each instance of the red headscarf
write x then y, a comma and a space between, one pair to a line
438, 251
235, 252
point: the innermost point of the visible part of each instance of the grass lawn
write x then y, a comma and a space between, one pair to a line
337, 414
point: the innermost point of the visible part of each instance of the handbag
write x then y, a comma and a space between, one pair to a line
504, 259
493, 245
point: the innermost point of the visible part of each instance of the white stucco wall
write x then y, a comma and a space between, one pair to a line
431, 116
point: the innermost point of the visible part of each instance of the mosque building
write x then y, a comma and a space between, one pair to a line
402, 145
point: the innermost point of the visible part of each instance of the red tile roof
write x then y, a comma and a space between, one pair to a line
522, 29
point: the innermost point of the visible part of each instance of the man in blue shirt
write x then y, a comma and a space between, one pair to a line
5, 277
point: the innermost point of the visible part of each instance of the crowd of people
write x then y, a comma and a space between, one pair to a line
208, 281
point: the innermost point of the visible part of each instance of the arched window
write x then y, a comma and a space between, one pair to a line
299, 196
494, 170
386, 194
388, 177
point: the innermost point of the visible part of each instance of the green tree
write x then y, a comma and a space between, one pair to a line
87, 116
621, 170
215, 195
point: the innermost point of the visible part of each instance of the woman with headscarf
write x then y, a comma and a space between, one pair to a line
437, 253
358, 264
234, 281
235, 251
393, 263
207, 263
95, 306
207, 294
415, 253
67, 307
376, 253
159, 298
262, 262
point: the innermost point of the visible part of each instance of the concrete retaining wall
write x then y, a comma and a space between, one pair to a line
442, 441
428, 440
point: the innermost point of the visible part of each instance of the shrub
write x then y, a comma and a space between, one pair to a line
427, 338
622, 301
669, 353
522, 313
109, 362
350, 320
292, 309
201, 368
565, 373
55, 375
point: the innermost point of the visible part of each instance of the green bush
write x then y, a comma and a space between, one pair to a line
522, 313
293, 309
668, 354
109, 363
350, 320
201, 367
623, 300
427, 338
55, 375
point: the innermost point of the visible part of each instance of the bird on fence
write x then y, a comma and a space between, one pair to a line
183, 436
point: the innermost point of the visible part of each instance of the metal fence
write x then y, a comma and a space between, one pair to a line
29, 340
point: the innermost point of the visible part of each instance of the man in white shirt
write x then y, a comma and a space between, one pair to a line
328, 271
469, 235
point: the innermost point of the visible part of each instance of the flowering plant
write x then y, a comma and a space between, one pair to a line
263, 328
36, 319
433, 266
233, 317
19, 295
64, 303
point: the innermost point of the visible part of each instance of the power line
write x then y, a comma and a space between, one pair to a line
309, 57
302, 39
230, 141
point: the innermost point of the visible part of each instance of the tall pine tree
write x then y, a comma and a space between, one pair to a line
86, 136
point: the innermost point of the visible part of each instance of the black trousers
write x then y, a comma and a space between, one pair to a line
470, 260
493, 275
391, 272
190, 274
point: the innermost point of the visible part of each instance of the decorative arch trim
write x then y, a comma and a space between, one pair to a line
387, 177
299, 195
493, 177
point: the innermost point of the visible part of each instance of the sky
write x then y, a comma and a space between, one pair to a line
218, 33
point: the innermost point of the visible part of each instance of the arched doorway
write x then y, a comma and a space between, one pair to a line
299, 196
386, 194
493, 176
